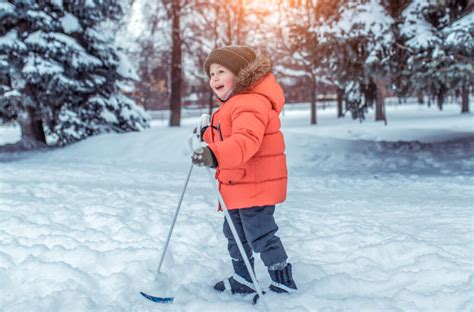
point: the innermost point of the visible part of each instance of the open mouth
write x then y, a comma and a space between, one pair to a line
219, 87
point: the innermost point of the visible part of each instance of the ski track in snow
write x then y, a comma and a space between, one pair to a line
368, 224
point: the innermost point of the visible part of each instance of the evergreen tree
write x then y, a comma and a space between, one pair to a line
458, 69
356, 43
437, 49
64, 74
419, 34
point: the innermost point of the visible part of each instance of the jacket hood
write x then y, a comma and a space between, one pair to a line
257, 77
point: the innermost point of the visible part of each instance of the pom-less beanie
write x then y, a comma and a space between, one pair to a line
232, 57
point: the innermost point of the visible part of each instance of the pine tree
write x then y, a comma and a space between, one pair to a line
458, 69
64, 74
419, 33
356, 44
435, 59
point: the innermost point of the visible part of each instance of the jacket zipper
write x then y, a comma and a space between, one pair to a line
219, 130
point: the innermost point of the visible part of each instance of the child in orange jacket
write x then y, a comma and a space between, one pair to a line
246, 146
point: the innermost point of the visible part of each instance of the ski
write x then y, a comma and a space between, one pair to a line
158, 299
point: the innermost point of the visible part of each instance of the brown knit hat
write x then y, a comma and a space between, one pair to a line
232, 57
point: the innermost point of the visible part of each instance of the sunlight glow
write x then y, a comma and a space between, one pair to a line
136, 26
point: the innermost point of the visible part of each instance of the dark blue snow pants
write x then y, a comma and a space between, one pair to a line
256, 228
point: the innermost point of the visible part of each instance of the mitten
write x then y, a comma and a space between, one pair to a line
203, 157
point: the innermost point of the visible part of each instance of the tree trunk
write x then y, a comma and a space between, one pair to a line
465, 99
379, 103
211, 102
176, 68
420, 98
240, 22
340, 94
440, 99
313, 102
146, 96
229, 31
32, 127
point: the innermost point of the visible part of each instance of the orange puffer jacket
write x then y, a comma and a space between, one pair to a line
246, 139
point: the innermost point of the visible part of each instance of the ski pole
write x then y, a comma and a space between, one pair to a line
237, 239
174, 220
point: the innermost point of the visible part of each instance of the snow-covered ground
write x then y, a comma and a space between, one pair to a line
377, 218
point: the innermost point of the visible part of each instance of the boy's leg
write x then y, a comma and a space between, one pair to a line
241, 281
260, 227
231, 244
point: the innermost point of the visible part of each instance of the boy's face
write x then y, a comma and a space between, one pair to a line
222, 81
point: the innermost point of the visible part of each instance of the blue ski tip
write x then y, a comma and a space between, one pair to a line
158, 299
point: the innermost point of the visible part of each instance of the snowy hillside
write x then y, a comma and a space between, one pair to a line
377, 218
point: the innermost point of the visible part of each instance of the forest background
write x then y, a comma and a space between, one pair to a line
71, 70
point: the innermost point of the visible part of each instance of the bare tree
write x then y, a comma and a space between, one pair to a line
297, 37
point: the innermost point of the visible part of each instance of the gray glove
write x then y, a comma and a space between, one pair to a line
203, 157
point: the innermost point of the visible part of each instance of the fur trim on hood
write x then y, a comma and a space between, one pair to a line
253, 73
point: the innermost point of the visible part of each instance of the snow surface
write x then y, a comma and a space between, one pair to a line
125, 68
360, 19
367, 19
58, 3
35, 64
6, 7
460, 32
419, 32
56, 42
377, 218
10, 40
70, 23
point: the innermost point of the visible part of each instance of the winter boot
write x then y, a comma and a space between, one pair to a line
282, 280
240, 282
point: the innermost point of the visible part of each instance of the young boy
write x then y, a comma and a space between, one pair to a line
247, 149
